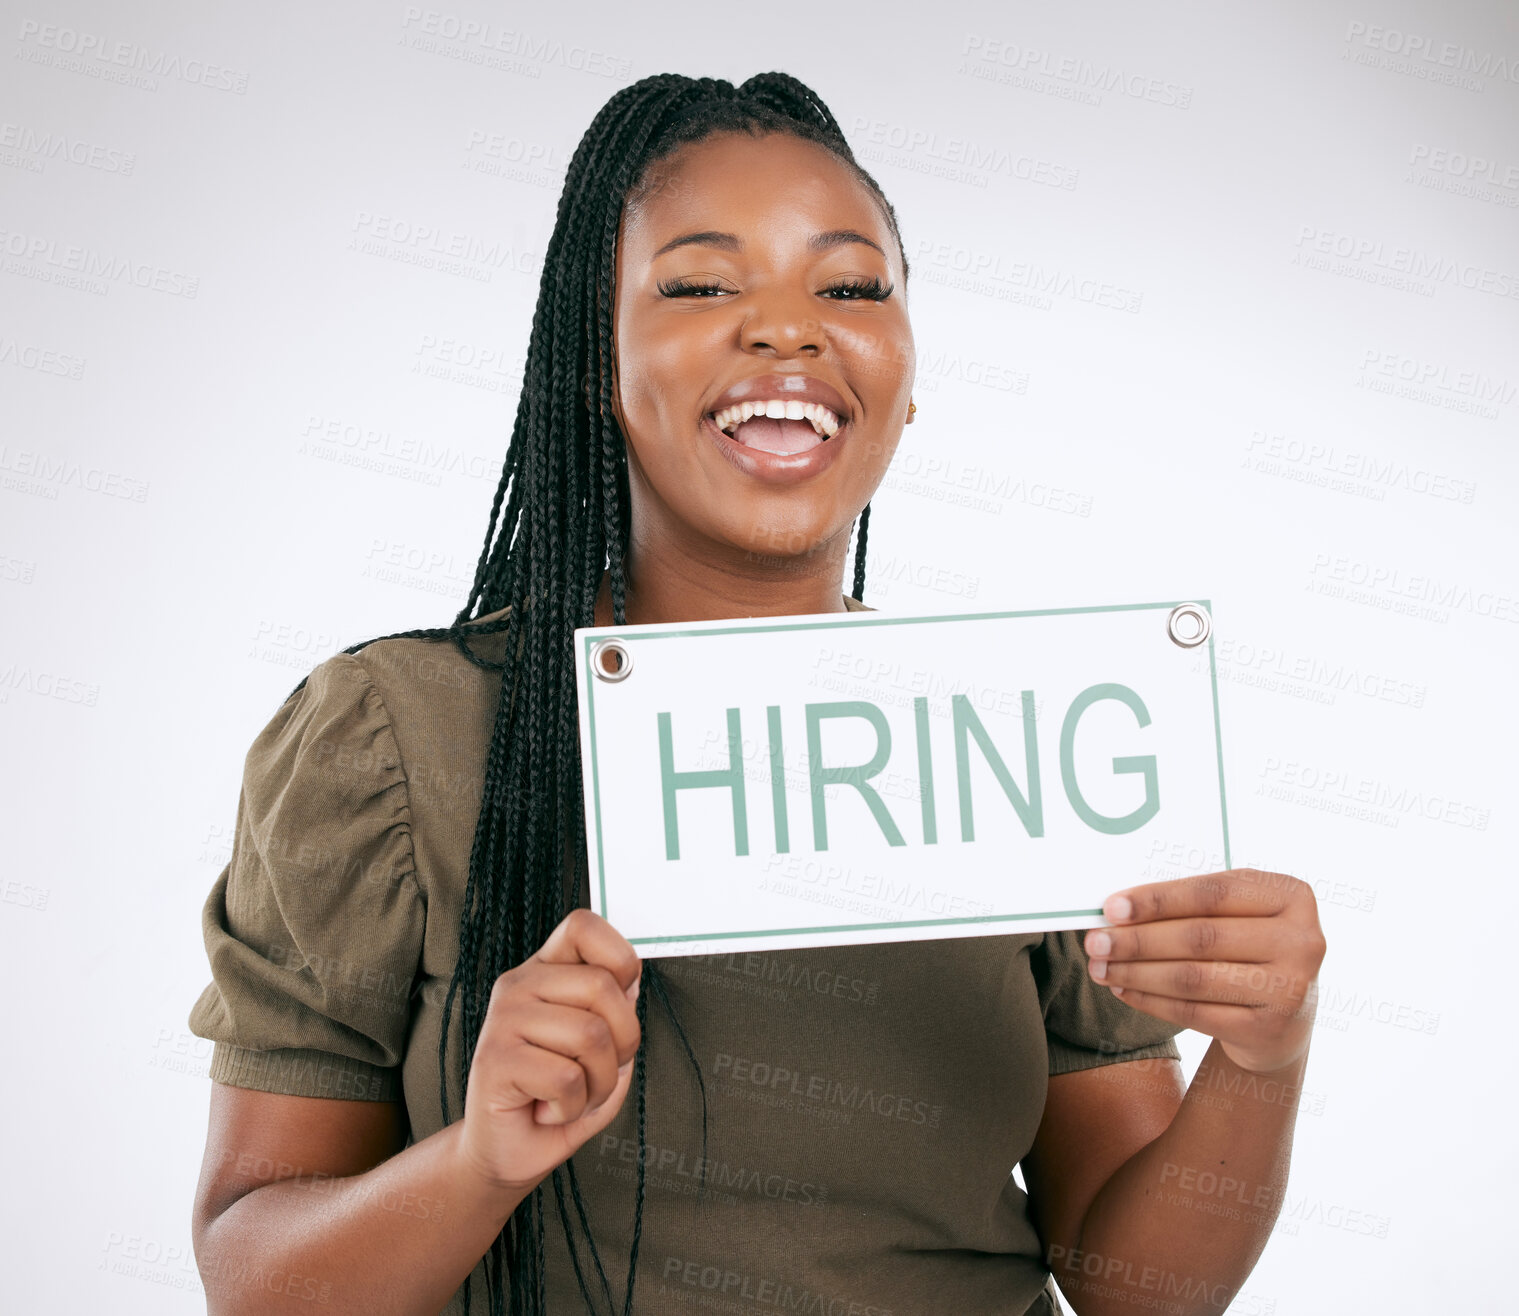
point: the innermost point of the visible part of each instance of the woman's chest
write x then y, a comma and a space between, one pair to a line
851, 1069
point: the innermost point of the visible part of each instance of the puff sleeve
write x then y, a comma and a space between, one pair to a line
1084, 1023
314, 928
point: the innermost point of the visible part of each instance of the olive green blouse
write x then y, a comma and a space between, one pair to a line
867, 1104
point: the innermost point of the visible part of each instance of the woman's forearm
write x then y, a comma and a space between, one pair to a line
397, 1240
1185, 1218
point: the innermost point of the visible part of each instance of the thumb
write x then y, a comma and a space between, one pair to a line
578, 1132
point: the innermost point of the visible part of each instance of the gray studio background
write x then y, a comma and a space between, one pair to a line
1210, 301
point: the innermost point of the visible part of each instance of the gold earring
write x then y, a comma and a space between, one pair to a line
911, 407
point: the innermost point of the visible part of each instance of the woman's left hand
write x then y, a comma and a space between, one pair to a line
1234, 954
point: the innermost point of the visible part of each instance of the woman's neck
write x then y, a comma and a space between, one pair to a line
679, 589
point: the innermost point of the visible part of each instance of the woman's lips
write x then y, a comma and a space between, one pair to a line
775, 467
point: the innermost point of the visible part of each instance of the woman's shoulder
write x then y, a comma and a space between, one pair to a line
438, 702
434, 696
437, 659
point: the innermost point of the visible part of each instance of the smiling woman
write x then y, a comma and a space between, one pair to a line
764, 361
425, 1043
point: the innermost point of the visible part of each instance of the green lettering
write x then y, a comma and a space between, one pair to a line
778, 780
967, 724
1144, 763
732, 778
854, 775
925, 772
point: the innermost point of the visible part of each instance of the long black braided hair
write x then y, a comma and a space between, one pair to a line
559, 520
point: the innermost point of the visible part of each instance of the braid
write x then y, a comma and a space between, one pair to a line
560, 518
859, 556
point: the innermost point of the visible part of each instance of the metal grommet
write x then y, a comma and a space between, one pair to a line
1194, 612
624, 660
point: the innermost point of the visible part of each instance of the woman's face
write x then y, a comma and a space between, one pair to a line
751, 271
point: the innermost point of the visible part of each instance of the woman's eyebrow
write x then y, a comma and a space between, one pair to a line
835, 237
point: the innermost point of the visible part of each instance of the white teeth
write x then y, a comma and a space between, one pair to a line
824, 421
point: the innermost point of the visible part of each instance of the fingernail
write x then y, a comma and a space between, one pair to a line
1099, 969
1117, 991
1099, 943
1119, 908
632, 992
623, 1069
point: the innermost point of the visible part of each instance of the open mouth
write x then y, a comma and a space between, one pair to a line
779, 427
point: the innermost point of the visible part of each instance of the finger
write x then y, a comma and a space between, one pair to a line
595, 1118
1257, 986
1241, 940
586, 987
554, 1084
1211, 1017
580, 1035
1232, 893
586, 938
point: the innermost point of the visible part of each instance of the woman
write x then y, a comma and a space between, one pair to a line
829, 1130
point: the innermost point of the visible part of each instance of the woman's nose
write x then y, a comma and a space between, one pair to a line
783, 323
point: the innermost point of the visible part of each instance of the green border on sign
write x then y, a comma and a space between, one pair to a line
861, 619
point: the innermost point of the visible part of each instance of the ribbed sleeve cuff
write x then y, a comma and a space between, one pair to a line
1065, 1059
298, 1073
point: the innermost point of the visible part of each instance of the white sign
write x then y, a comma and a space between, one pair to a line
844, 778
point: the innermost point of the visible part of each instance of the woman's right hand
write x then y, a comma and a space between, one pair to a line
554, 1059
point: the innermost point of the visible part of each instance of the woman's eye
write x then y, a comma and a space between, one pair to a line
685, 288
849, 290
861, 290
